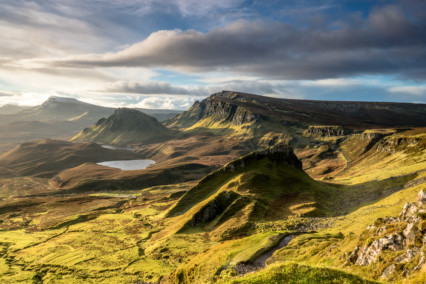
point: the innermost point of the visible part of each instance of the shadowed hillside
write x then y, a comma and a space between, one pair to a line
125, 126
46, 158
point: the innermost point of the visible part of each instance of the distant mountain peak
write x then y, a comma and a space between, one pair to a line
56, 99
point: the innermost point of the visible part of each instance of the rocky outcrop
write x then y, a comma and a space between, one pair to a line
393, 144
371, 136
281, 154
368, 254
227, 112
327, 131
405, 234
220, 107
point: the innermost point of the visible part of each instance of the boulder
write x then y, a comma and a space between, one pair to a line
388, 271
407, 256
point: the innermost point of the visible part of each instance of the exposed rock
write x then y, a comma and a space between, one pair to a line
392, 144
410, 233
408, 241
369, 254
352, 257
371, 136
409, 213
327, 131
388, 271
405, 257
421, 197
280, 154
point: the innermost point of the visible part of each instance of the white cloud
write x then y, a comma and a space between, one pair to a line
412, 90
167, 102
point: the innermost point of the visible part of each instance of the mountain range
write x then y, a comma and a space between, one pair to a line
58, 117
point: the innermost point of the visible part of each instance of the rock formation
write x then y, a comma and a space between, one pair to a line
327, 131
405, 235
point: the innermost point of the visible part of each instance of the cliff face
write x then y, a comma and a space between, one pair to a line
221, 107
239, 108
327, 131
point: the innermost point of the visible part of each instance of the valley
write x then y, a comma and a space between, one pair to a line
241, 189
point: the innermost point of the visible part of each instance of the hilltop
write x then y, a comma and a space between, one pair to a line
125, 126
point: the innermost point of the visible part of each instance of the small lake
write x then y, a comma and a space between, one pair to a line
128, 165
112, 147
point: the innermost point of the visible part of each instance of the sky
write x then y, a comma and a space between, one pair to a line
169, 53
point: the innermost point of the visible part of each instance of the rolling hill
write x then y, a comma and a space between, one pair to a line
125, 126
45, 158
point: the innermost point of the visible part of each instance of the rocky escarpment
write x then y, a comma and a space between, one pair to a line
393, 144
327, 131
220, 107
281, 154
395, 245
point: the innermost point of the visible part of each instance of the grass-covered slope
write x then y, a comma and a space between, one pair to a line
299, 273
125, 126
262, 186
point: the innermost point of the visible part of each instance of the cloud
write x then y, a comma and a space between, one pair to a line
387, 42
152, 88
32, 31
181, 102
411, 90
6, 94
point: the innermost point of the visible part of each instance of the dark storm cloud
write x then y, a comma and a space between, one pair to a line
388, 41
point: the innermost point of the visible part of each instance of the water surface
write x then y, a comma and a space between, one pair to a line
128, 165
112, 147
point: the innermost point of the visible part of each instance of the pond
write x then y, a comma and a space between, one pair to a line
112, 147
128, 165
